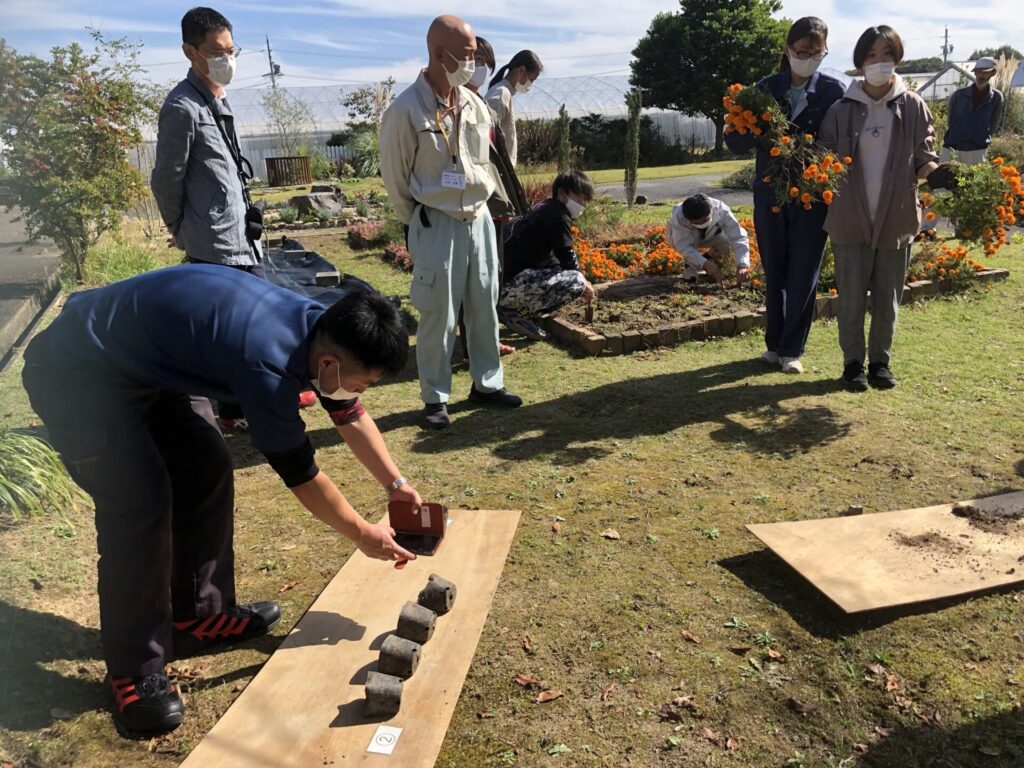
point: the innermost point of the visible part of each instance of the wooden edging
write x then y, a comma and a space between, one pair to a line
591, 343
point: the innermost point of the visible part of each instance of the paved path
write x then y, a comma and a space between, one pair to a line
675, 190
29, 279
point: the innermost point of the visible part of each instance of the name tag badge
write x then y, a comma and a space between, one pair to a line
453, 180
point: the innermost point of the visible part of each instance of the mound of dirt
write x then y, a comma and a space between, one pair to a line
995, 519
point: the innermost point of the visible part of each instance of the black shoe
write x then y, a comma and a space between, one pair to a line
435, 416
501, 398
147, 704
880, 376
239, 622
854, 378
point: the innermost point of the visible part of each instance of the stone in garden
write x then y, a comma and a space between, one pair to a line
333, 203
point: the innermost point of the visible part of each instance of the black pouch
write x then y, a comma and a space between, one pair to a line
253, 223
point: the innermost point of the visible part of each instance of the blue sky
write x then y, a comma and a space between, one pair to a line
320, 42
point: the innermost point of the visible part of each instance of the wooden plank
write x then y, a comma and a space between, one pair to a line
889, 559
304, 707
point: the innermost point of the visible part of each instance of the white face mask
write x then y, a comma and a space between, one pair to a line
479, 77
803, 67
340, 393
524, 87
575, 209
463, 74
221, 69
879, 74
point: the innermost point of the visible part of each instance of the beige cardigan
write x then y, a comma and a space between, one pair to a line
898, 216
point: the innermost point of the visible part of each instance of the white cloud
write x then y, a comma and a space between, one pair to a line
47, 15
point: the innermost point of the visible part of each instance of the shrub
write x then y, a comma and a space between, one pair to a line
363, 208
365, 234
347, 171
322, 214
321, 166
288, 214
32, 478
398, 256
741, 179
367, 151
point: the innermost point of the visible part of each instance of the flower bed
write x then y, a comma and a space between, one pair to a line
365, 234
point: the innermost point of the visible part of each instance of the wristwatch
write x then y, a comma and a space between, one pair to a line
395, 485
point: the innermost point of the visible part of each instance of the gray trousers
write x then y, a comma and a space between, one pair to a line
859, 269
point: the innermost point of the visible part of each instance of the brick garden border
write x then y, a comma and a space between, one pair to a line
280, 226
591, 343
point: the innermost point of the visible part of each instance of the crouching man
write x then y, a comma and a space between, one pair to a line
704, 223
111, 379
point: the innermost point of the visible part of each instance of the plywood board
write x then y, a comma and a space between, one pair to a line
304, 707
897, 558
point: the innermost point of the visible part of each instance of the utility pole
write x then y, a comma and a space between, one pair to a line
275, 69
946, 47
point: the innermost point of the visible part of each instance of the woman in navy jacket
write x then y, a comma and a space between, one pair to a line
792, 241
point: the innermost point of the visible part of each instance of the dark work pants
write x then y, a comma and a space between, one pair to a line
160, 477
791, 243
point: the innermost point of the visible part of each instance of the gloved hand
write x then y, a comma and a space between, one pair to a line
945, 176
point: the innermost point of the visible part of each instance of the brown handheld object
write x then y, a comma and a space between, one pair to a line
416, 623
438, 595
383, 694
399, 657
418, 529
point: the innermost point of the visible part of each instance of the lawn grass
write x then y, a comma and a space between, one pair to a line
618, 175
676, 449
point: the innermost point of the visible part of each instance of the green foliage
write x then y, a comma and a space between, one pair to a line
687, 59
634, 102
1004, 50
564, 143
973, 209
1009, 147
321, 166
366, 146
347, 171
288, 117
288, 214
67, 125
927, 64
32, 478
366, 106
115, 258
339, 138
741, 179
600, 143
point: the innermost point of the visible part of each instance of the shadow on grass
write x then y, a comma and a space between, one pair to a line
28, 690
764, 572
992, 742
573, 428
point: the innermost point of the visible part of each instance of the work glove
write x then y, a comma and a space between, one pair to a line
946, 176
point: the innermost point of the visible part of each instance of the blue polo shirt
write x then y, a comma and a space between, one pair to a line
200, 330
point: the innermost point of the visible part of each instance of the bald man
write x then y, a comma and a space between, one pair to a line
434, 149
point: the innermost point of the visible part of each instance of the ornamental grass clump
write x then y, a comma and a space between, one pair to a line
32, 478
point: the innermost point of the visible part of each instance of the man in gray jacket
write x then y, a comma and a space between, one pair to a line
196, 180
435, 164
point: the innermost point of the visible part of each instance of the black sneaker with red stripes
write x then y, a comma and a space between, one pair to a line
239, 622
147, 704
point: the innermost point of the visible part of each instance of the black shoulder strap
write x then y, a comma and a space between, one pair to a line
243, 166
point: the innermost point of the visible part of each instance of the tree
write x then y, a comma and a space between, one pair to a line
564, 145
928, 64
289, 119
67, 125
634, 101
1004, 50
687, 59
366, 105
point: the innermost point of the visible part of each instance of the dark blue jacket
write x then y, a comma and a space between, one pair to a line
971, 128
822, 92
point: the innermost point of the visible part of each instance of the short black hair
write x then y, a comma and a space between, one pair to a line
369, 327
868, 38
576, 182
696, 207
486, 52
198, 22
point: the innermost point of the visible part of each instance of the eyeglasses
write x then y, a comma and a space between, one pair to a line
805, 55
235, 51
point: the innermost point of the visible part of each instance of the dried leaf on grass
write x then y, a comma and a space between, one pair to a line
611, 533
802, 708
884, 732
606, 693
876, 669
686, 702
288, 587
527, 644
556, 528
892, 683
485, 715
732, 744
688, 635
709, 735
545, 696
528, 681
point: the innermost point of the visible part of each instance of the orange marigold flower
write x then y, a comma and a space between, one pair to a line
833, 292
808, 137
776, 209
930, 216
805, 197
847, 160
997, 161
793, 191
775, 152
827, 196
766, 116
786, 139
837, 167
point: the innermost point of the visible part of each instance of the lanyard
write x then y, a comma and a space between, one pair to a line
454, 152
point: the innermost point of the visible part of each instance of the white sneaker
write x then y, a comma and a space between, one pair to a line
769, 357
791, 365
